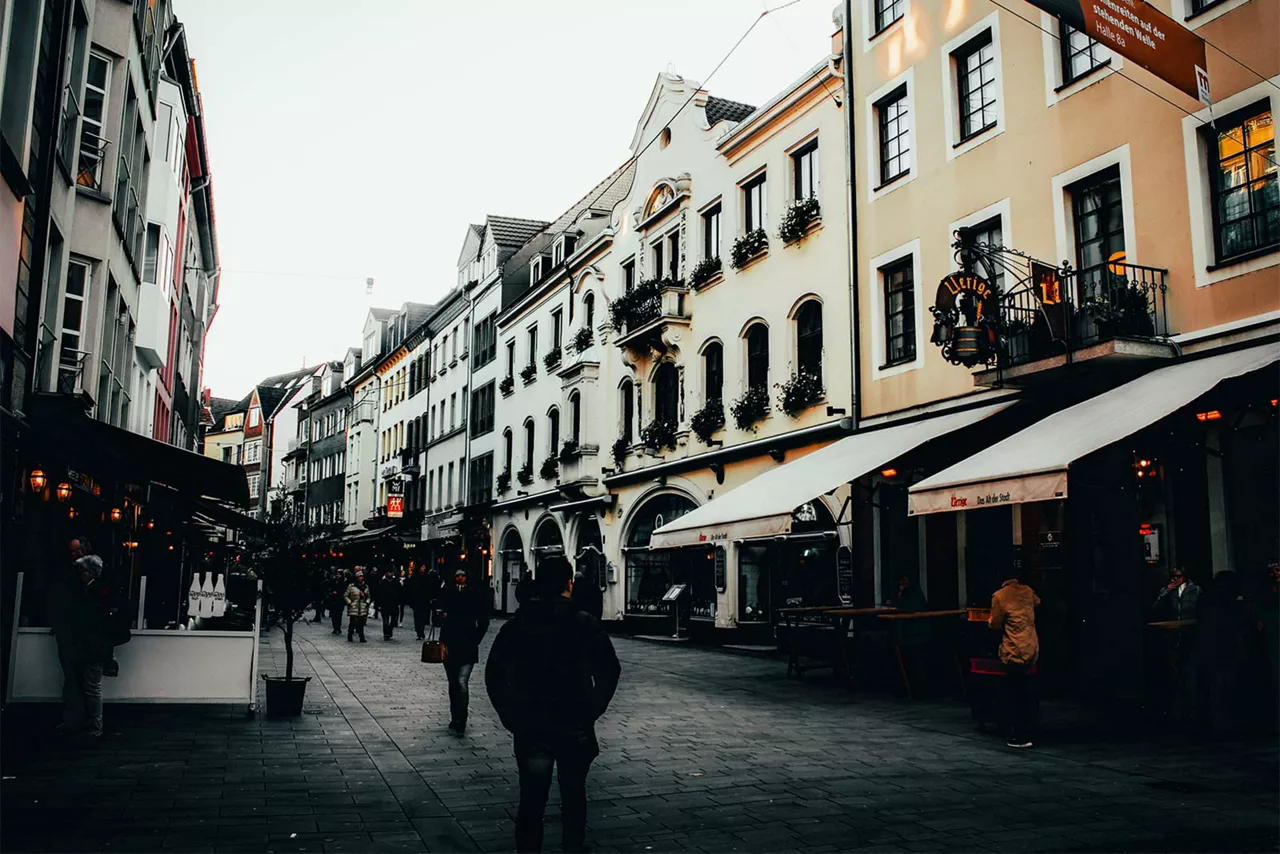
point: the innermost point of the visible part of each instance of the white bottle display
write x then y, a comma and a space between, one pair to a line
219, 597
206, 596
193, 596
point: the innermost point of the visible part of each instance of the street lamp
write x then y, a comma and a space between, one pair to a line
64, 492
38, 480
115, 514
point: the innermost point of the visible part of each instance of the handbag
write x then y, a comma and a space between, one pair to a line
434, 651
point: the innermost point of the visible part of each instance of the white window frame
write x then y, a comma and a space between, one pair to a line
1054, 92
1180, 11
745, 186
871, 120
876, 280
1064, 217
255, 416
83, 298
999, 209
870, 37
951, 91
106, 110
1200, 187
717, 202
793, 165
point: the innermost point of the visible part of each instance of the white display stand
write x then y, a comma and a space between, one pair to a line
156, 666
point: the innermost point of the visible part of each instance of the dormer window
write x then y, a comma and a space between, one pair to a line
557, 253
535, 270
570, 243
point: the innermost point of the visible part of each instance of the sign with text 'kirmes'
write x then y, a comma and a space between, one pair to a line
1142, 34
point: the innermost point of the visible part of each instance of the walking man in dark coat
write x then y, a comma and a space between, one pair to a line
550, 675
387, 597
465, 615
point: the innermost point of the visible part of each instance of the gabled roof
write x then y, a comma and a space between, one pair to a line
724, 110
382, 313
220, 406
477, 230
290, 379
271, 397
513, 232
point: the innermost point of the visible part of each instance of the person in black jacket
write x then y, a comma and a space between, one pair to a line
421, 591
550, 675
338, 599
386, 595
587, 595
465, 614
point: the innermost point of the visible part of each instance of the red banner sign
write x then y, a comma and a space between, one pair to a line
395, 506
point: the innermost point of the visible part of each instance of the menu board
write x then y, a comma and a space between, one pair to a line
844, 574
721, 581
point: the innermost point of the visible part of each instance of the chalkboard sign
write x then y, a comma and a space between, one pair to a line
721, 582
844, 574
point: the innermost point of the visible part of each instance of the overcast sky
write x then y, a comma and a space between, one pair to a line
354, 140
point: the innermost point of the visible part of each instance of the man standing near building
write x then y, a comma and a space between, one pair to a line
79, 610
1013, 614
465, 615
387, 597
550, 675
337, 599
357, 600
1177, 599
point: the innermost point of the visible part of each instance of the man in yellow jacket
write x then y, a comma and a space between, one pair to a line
1013, 614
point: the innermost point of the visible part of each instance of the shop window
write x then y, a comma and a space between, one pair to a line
797, 570
1246, 183
650, 574
809, 339
666, 393
758, 356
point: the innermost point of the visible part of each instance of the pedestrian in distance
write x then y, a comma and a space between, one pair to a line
387, 597
357, 599
587, 596
1013, 614
402, 578
420, 594
550, 675
464, 613
80, 613
338, 599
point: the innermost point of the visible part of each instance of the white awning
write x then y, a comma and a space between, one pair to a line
762, 506
1031, 465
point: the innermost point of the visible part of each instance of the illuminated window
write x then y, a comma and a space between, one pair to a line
1246, 197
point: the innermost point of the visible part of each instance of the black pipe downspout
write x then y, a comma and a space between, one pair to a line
850, 112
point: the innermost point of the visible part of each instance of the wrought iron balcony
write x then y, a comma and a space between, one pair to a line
409, 462
648, 317
1111, 311
71, 365
93, 154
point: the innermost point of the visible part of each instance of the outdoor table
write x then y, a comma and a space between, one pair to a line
841, 619
897, 639
791, 619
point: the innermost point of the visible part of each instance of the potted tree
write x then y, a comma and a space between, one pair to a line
289, 558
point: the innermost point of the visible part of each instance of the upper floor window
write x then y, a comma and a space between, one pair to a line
711, 233
482, 410
758, 356
628, 275
976, 85
627, 411
511, 359
659, 257
557, 329
1246, 198
673, 255
894, 124
535, 270
533, 345
93, 118
255, 416
754, 207
887, 13
575, 417
589, 310
557, 253
1099, 224
485, 338
713, 371
809, 338
899, 311
1080, 54
990, 233
804, 168
508, 444
666, 393
528, 443
553, 428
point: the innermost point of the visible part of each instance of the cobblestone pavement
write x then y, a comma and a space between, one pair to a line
702, 750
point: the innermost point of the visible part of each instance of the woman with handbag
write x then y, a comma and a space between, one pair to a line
357, 598
465, 614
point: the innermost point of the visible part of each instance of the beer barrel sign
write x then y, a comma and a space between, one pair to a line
965, 317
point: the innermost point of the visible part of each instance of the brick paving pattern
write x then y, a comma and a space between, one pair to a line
702, 750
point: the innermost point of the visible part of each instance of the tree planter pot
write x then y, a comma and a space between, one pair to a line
284, 696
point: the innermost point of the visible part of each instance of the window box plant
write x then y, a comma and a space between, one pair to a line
705, 271
525, 475
658, 434
551, 361
747, 247
528, 373
550, 468
1120, 310
504, 481
797, 218
582, 339
507, 385
707, 420
803, 390
569, 451
642, 304
621, 447
750, 407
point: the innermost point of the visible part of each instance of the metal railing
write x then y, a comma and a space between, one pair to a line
68, 131
1099, 303
92, 157
71, 365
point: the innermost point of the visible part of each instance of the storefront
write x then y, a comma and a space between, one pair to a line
669, 591
511, 568
156, 516
1097, 502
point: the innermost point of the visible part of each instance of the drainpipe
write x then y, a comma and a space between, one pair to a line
850, 110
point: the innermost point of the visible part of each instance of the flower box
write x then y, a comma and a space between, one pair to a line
750, 407
747, 247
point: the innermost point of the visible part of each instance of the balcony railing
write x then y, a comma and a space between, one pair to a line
1097, 304
71, 365
93, 154
68, 130
651, 301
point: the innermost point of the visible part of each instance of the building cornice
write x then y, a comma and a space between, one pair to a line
759, 122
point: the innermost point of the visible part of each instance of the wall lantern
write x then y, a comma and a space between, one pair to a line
64, 491
150, 524
38, 480
116, 514
73, 513
1211, 415
889, 472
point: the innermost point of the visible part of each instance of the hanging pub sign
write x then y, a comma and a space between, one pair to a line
965, 317
395, 506
1048, 289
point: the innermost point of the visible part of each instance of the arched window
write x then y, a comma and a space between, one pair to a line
553, 423
508, 449
627, 407
575, 418
589, 310
528, 443
758, 356
713, 371
809, 338
666, 393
